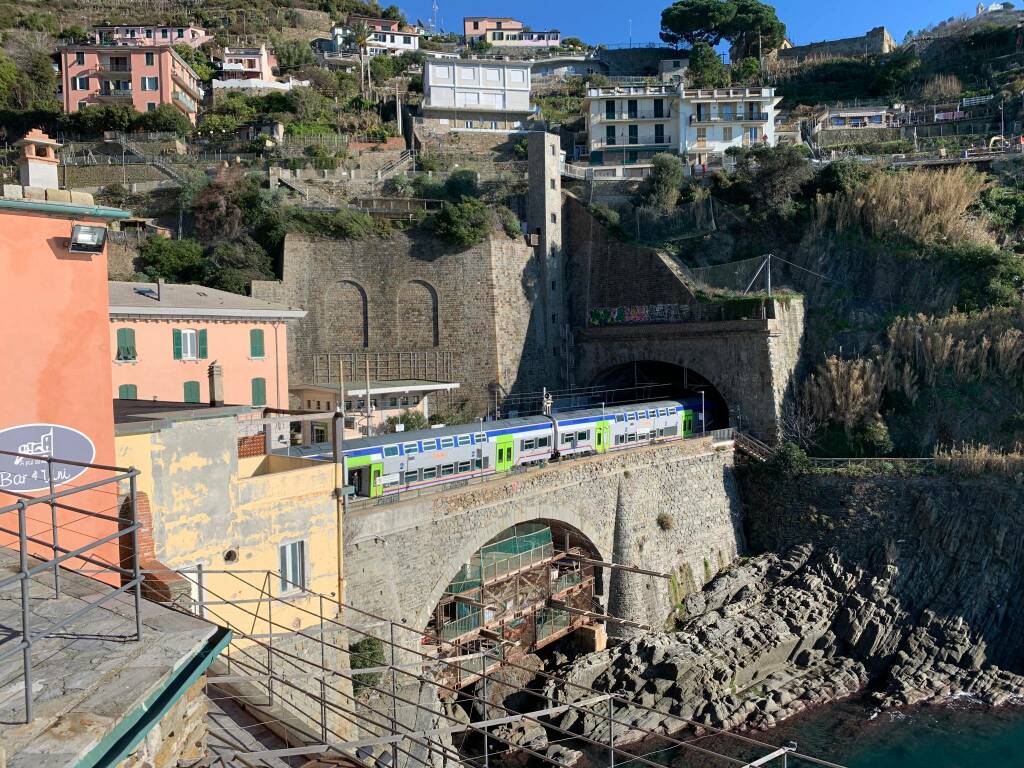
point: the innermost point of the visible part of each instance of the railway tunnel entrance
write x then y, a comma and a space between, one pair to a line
528, 587
646, 380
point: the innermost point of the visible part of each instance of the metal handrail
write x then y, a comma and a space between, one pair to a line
127, 526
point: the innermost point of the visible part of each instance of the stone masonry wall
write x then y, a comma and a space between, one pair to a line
410, 292
669, 508
878, 40
179, 736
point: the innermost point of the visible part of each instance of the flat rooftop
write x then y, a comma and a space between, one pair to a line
178, 300
95, 687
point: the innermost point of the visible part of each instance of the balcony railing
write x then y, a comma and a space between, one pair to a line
639, 141
665, 115
737, 117
191, 88
184, 101
114, 69
114, 96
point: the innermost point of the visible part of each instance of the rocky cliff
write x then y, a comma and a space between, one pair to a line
907, 587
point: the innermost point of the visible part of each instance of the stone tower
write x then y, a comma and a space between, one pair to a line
545, 226
37, 165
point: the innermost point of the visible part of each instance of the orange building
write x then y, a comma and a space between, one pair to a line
55, 349
477, 27
163, 338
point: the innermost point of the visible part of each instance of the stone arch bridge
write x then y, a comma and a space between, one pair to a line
668, 508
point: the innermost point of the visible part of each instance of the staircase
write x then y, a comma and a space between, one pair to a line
396, 166
311, 195
136, 150
753, 447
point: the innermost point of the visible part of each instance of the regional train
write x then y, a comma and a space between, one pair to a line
401, 461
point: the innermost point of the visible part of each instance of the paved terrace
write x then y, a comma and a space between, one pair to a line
96, 689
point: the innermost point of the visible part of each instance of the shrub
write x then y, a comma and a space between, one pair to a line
178, 261
665, 521
368, 652
661, 189
509, 221
411, 421
464, 224
165, 118
461, 184
790, 460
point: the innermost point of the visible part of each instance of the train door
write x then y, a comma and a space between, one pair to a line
504, 453
602, 436
687, 422
365, 475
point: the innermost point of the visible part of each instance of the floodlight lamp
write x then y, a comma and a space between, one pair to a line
87, 238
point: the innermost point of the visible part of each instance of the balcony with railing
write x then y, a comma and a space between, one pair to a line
192, 88
183, 102
621, 91
113, 95
729, 117
716, 94
114, 68
626, 142
645, 113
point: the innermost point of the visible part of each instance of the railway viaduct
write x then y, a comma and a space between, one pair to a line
670, 508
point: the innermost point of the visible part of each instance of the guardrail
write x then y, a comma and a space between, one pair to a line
61, 555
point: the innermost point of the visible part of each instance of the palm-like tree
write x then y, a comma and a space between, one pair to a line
360, 34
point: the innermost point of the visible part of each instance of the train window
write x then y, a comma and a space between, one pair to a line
641, 436
480, 463
662, 412
671, 410
480, 437
447, 469
661, 433
412, 477
465, 439
620, 439
567, 438
447, 442
630, 417
390, 450
429, 445
543, 442
581, 436
411, 448
619, 417
631, 437
464, 466
429, 473
669, 431
527, 445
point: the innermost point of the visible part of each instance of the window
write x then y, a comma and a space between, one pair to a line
149, 35
429, 473
609, 109
411, 449
447, 442
517, 76
469, 124
467, 73
567, 438
293, 566
256, 343
554, 184
128, 392
659, 107
125, 343
465, 466
163, 33
189, 344
543, 442
406, 40
609, 135
390, 450
151, 83
659, 134
81, 83
429, 445
727, 133
181, 33
151, 106
259, 391
662, 412
319, 432
554, 218
447, 469
492, 75
702, 133
631, 437
631, 108
494, 125
465, 439
634, 134
79, 57
412, 477
527, 445
191, 392
149, 61
620, 417
480, 437
582, 436
620, 439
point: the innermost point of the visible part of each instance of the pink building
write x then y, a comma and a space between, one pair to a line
141, 76
148, 35
164, 337
248, 63
477, 27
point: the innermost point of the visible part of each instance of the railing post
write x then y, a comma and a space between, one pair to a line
136, 571
394, 695
26, 628
53, 523
323, 668
270, 644
611, 733
202, 591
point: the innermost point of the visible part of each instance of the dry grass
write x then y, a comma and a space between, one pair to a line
850, 392
926, 206
972, 459
942, 88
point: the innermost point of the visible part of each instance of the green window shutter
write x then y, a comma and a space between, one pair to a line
125, 344
202, 344
177, 344
255, 343
259, 391
128, 392
191, 391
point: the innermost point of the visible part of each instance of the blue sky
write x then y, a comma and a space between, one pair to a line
607, 21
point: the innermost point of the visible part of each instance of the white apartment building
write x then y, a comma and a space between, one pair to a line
387, 37
713, 120
471, 94
628, 125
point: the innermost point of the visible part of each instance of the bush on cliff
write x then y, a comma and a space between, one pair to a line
464, 224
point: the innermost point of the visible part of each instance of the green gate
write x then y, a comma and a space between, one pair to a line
376, 469
603, 436
505, 454
686, 423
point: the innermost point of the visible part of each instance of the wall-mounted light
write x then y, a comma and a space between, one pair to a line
87, 238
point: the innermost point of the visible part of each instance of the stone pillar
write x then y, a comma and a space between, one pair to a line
545, 223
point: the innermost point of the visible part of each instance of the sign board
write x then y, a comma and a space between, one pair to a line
37, 442
391, 479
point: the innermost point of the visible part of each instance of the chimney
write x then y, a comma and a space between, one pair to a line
37, 164
159, 288
216, 376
